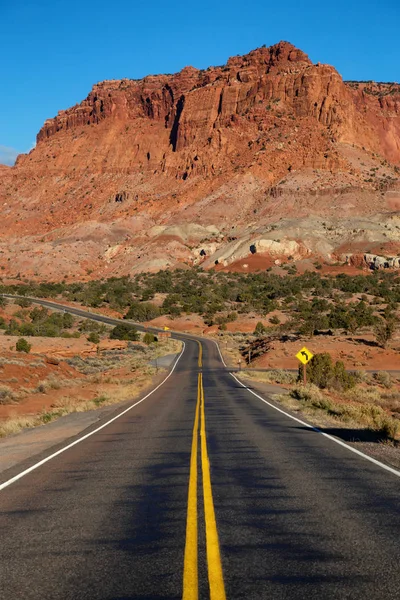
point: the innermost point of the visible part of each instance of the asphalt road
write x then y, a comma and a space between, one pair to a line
201, 486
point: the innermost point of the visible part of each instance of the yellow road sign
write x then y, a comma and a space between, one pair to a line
166, 328
304, 355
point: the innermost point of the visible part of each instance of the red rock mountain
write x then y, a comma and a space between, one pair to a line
144, 173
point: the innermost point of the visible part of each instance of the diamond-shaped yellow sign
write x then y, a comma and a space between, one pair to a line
304, 355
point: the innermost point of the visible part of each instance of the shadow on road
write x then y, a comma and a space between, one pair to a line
348, 434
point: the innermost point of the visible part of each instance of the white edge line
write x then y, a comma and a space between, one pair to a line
45, 460
330, 437
219, 350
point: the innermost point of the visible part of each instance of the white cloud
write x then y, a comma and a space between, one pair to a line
8, 155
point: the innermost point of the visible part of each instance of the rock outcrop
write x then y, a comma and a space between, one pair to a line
268, 135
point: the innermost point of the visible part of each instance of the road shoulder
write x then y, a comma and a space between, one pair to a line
383, 452
31, 445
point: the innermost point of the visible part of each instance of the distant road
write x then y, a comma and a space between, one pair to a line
201, 490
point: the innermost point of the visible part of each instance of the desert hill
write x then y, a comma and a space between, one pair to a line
268, 154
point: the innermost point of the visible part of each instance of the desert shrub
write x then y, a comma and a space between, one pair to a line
342, 380
322, 372
307, 393
124, 332
370, 395
175, 311
42, 323
41, 388
275, 320
389, 428
319, 370
231, 316
68, 321
53, 382
2, 323
220, 320
89, 325
6, 394
23, 345
149, 338
281, 376
259, 329
69, 335
384, 330
362, 377
23, 302
142, 311
99, 400
94, 338
383, 378
26, 329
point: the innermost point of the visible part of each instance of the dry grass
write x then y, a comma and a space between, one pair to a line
12, 361
54, 383
373, 404
7, 396
278, 376
37, 363
363, 411
118, 390
229, 345
16, 424
124, 391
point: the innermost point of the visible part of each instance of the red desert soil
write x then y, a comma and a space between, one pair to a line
355, 355
60, 346
26, 373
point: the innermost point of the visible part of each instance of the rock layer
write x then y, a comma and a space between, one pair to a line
267, 135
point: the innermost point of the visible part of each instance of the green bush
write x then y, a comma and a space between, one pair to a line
23, 302
94, 338
67, 321
322, 372
142, 311
149, 338
88, 325
124, 332
259, 329
384, 331
23, 346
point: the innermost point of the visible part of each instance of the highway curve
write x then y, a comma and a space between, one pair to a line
202, 490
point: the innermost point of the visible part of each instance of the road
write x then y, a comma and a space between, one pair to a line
201, 490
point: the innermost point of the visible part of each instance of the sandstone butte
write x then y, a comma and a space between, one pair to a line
267, 157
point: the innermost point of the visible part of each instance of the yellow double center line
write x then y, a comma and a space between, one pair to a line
214, 565
200, 361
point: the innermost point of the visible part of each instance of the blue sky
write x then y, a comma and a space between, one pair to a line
53, 51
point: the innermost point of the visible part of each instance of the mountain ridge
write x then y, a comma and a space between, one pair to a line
239, 147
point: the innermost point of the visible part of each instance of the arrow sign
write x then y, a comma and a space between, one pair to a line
304, 355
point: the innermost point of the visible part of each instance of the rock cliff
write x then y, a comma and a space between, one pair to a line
266, 136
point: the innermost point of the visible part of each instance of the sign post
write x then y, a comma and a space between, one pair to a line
304, 356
